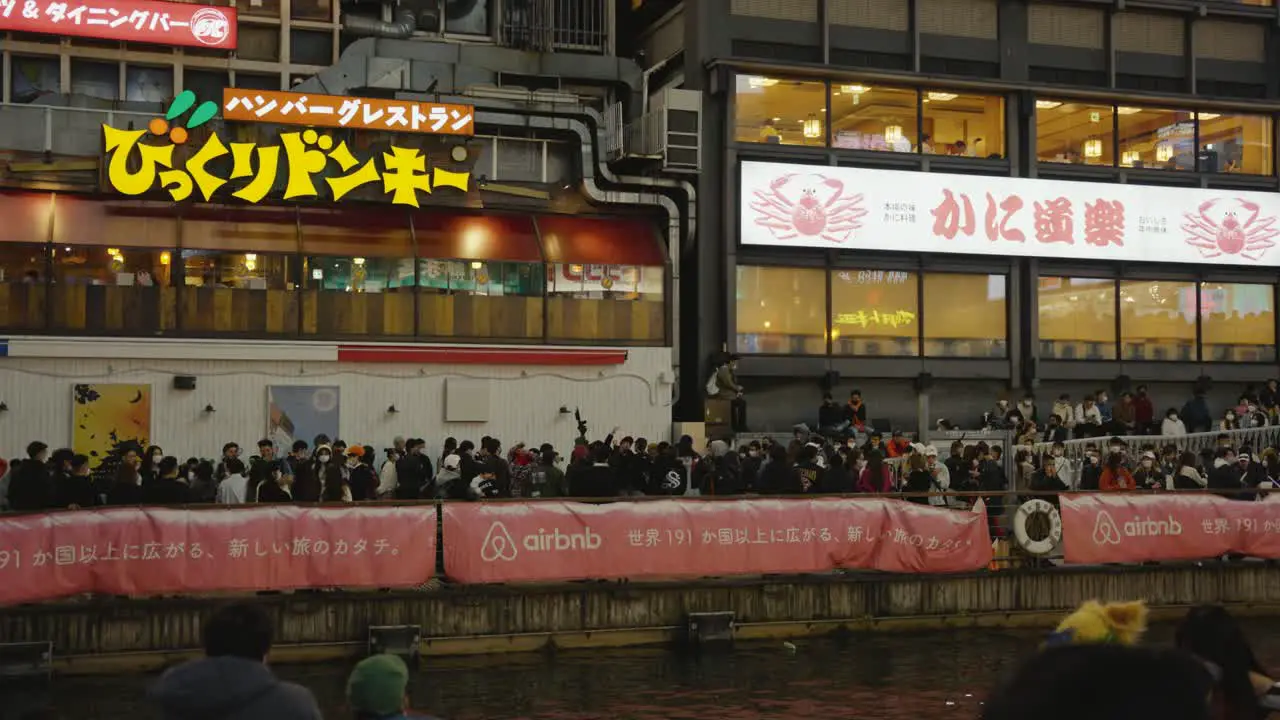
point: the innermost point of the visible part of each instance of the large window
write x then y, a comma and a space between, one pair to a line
781, 311
1235, 143
1152, 138
1237, 322
33, 77
875, 312
98, 80
1158, 320
874, 117
1076, 133
780, 111
963, 125
24, 259
359, 275
1077, 318
965, 315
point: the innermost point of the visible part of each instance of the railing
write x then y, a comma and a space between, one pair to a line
63, 131
558, 25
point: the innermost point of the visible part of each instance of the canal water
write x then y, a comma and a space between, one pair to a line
883, 676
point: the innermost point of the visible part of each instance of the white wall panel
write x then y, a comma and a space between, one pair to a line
525, 401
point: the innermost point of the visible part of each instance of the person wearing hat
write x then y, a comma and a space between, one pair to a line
378, 689
449, 479
1149, 475
364, 479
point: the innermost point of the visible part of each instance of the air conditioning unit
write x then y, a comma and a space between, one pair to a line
680, 142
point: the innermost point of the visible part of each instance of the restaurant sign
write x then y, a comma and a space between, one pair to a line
860, 209
331, 111
147, 21
137, 164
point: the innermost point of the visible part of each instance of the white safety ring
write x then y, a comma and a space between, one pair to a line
1038, 548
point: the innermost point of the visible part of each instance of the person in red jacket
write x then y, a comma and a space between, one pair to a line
899, 445
1115, 476
1144, 415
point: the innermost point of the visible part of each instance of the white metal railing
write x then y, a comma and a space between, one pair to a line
61, 130
646, 135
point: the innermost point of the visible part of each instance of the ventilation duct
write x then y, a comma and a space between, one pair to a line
399, 29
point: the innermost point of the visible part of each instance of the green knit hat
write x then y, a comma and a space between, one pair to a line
377, 685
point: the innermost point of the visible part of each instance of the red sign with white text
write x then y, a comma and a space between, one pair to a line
1118, 528
162, 23
551, 540
151, 551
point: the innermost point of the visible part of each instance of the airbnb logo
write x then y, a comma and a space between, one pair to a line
1106, 531
500, 545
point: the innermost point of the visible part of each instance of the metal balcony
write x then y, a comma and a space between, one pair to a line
558, 25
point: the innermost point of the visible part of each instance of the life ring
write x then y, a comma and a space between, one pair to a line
1032, 508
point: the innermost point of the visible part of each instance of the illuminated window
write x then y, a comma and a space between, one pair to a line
873, 117
1237, 322
781, 311
24, 258
1157, 320
1162, 139
964, 315
1075, 133
965, 125
875, 312
1077, 318
358, 273
780, 111
1235, 144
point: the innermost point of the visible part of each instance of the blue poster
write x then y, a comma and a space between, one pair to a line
301, 412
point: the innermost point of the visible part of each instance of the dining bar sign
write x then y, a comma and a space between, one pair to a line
861, 209
134, 167
163, 23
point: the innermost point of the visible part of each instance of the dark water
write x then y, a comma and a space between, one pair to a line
884, 676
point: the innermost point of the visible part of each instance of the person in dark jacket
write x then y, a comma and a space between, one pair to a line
1226, 475
150, 467
1196, 415
919, 479
669, 475
1046, 480
831, 419
410, 472
167, 488
545, 479
126, 487
594, 478
308, 481
364, 479
494, 464
807, 474
232, 681
30, 488
377, 689
76, 489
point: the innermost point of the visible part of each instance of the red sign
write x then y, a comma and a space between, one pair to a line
1119, 528
150, 551
163, 23
550, 540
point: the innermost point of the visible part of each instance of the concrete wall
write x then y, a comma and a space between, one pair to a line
524, 401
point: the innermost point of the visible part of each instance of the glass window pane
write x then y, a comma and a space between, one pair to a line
1070, 132
781, 311
967, 125
1151, 138
1238, 322
780, 111
468, 18
311, 47
1077, 318
205, 83
875, 312
148, 84
606, 303
866, 117
964, 315
22, 285
99, 80
33, 77
1235, 143
1157, 320
311, 9
113, 290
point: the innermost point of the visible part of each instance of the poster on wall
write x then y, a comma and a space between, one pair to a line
107, 420
301, 412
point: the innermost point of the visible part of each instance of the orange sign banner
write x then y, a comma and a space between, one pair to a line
288, 108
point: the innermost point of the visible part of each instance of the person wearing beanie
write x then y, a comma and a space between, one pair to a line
1119, 623
378, 689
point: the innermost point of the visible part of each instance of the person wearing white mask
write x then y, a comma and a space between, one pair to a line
940, 477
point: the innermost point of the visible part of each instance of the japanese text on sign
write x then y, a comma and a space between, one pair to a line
401, 173
289, 108
165, 23
876, 318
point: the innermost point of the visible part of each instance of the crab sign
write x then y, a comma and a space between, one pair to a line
810, 205
1230, 227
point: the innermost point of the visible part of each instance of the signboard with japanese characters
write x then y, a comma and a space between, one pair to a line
862, 209
287, 108
163, 23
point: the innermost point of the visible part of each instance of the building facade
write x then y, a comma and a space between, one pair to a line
941, 202
537, 283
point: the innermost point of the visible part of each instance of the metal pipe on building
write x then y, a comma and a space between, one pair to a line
402, 28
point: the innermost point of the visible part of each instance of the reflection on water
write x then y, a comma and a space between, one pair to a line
889, 676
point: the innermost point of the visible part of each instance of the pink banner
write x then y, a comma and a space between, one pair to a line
550, 540
1117, 528
150, 551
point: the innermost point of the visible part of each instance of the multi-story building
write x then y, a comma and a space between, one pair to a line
940, 202
538, 284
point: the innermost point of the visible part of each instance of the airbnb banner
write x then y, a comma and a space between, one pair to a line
1116, 528
549, 540
149, 551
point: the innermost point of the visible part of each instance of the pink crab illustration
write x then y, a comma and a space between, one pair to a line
808, 204
1216, 228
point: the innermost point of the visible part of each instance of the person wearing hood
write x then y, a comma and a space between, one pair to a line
232, 681
378, 690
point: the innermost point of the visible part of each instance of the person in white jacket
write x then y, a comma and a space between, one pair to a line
387, 480
941, 477
1088, 418
1062, 408
234, 488
1172, 425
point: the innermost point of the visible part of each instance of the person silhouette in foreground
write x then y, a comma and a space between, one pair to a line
378, 690
232, 681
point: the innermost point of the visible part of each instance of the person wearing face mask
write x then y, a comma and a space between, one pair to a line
126, 488
1115, 476
939, 477
1063, 408
1103, 403
1149, 475
1123, 420
1229, 421
1088, 418
363, 480
1172, 426
1091, 469
997, 416
333, 472
1254, 416
150, 464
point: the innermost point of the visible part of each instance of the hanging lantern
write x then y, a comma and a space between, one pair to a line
892, 134
1093, 148
1164, 152
812, 127
1129, 158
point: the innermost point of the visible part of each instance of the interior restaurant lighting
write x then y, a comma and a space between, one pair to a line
1093, 148
1129, 158
1047, 104
854, 89
1164, 152
942, 96
759, 81
1123, 110
812, 127
892, 133
1205, 116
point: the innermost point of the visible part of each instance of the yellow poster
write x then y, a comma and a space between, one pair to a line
108, 419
